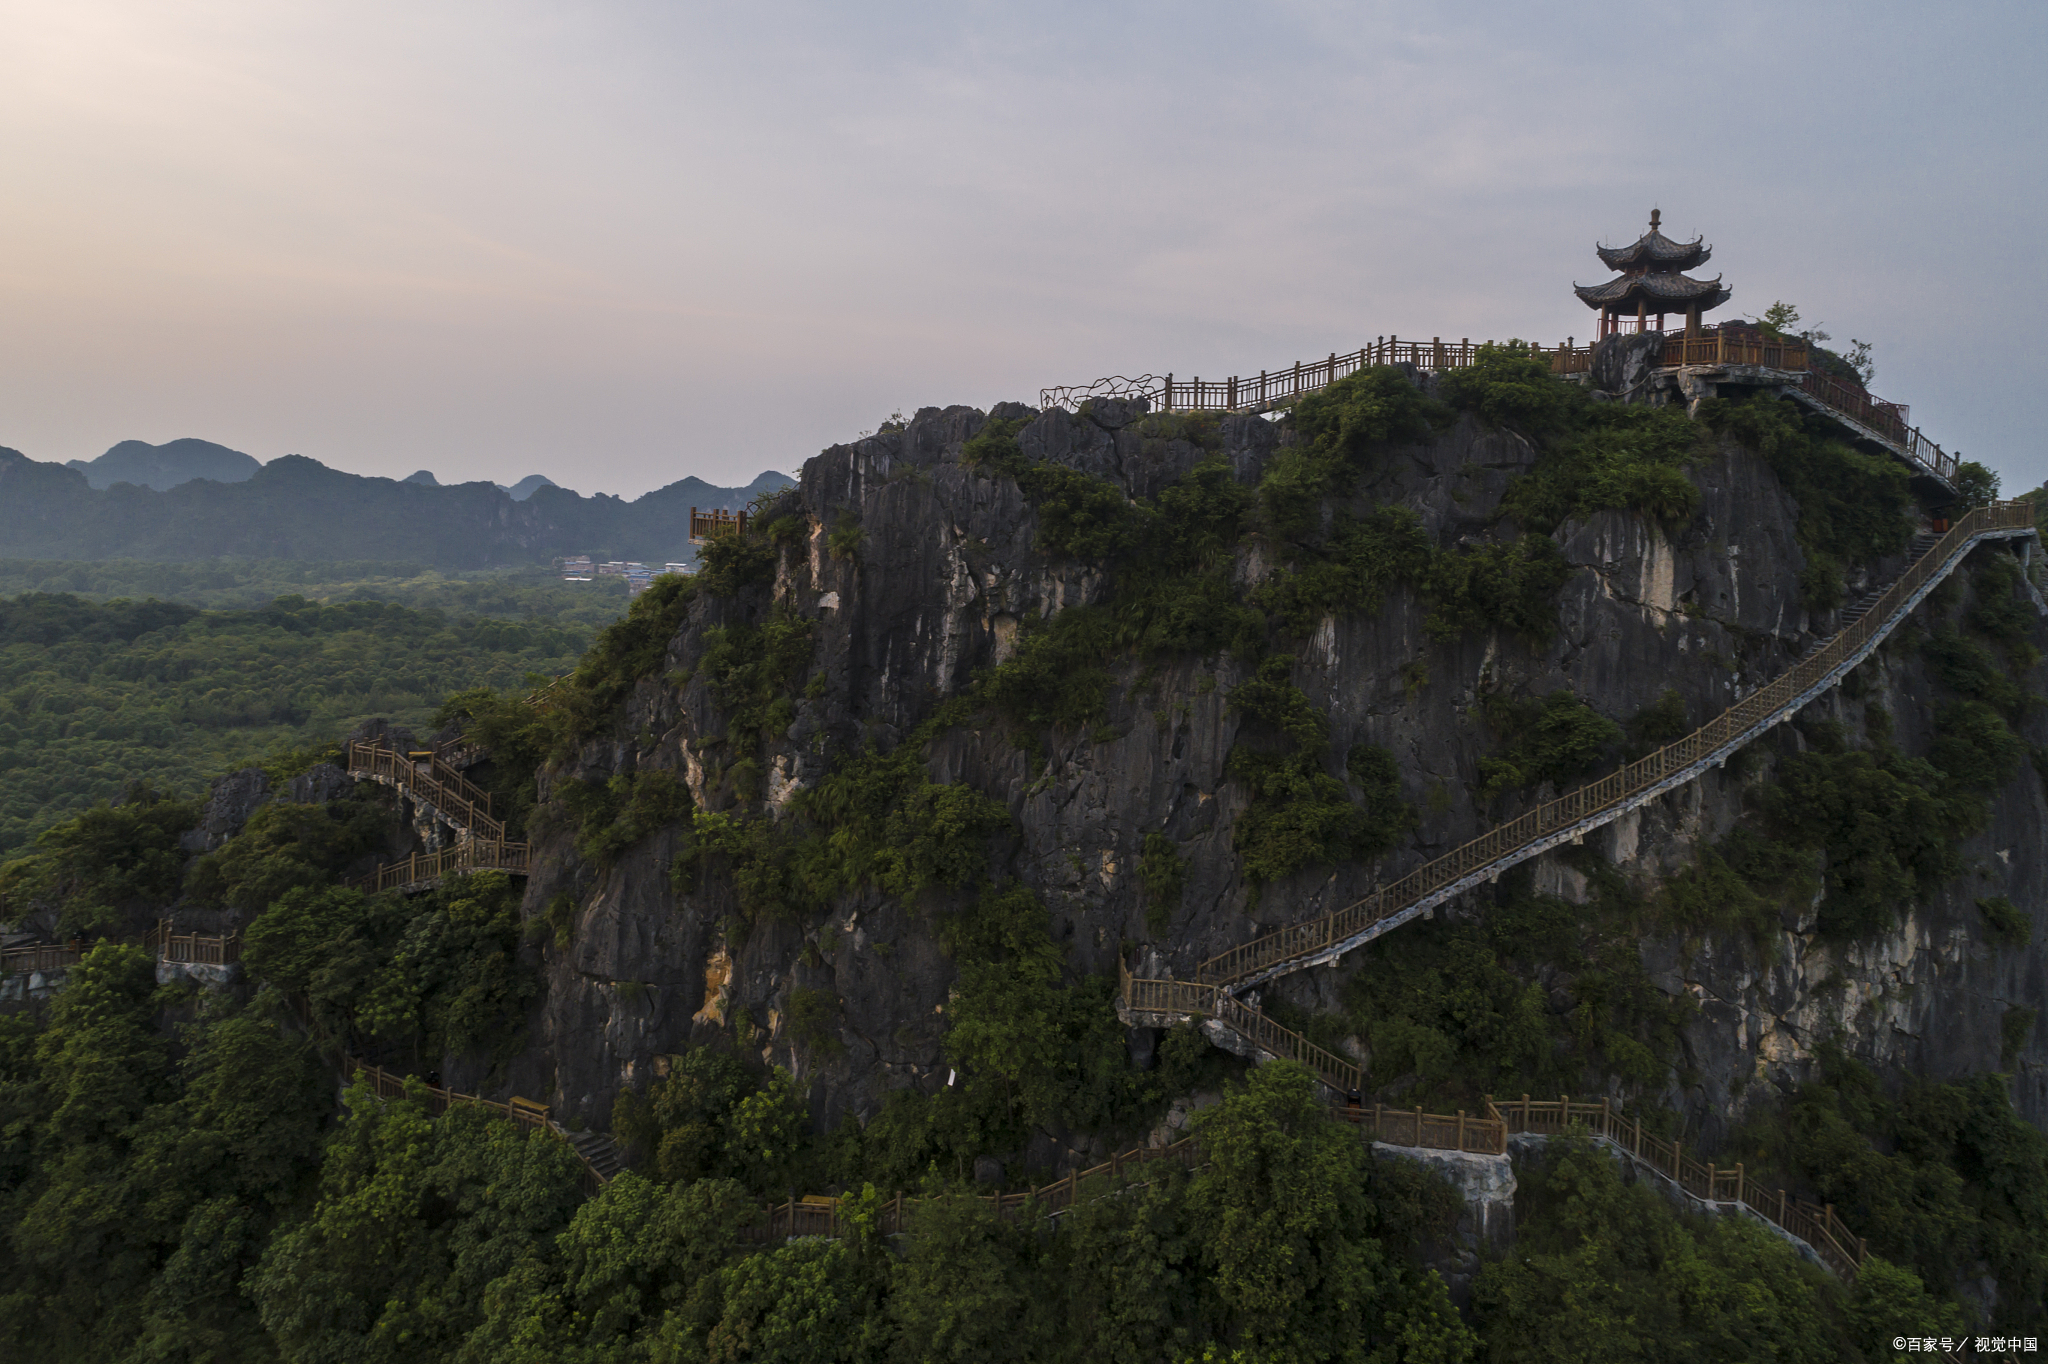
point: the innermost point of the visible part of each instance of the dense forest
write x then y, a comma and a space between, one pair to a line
187, 1174
98, 694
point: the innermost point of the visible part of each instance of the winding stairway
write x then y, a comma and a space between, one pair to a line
1219, 982
433, 781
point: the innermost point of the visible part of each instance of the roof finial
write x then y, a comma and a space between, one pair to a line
1654, 216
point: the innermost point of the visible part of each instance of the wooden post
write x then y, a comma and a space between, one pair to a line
1461, 1129
1606, 1117
1739, 1184
1525, 1112
1166, 404
1418, 1124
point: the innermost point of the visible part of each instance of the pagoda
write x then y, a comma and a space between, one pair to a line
1652, 281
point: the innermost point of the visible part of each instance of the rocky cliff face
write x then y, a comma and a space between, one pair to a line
944, 579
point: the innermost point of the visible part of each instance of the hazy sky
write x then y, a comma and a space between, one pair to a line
619, 243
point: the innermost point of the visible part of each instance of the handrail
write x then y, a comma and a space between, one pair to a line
710, 524
422, 777
1817, 1224
162, 942
1720, 346
471, 855
1607, 798
43, 957
166, 944
1274, 387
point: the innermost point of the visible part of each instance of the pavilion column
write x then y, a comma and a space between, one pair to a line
1640, 305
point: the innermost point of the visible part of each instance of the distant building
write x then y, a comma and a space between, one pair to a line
612, 568
576, 568
680, 568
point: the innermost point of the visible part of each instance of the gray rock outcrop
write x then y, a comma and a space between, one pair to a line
947, 577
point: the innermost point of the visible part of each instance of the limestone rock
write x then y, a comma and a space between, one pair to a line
233, 798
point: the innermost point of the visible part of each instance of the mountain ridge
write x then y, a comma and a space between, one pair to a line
295, 507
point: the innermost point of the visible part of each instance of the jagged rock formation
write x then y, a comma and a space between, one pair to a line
945, 579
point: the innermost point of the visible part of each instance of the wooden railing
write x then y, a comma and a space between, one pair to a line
1407, 1127
1272, 388
1816, 1224
460, 801
1507, 844
472, 855
526, 1112
819, 1215
162, 942
1888, 420
1487, 1134
1479, 1134
166, 944
1723, 347
45, 957
707, 525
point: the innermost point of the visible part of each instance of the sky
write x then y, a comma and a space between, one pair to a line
619, 243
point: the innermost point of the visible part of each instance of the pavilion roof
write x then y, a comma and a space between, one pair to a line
1655, 251
1659, 291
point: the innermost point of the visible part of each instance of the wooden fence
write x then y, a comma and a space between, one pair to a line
1406, 1127
1888, 420
1816, 1224
708, 525
526, 1112
471, 855
1507, 844
462, 802
1720, 346
44, 957
166, 944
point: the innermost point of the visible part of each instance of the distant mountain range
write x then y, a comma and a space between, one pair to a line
520, 491
192, 499
166, 466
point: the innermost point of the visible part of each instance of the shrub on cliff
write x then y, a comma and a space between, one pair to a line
1615, 456
1853, 506
1557, 739
1299, 815
1510, 385
1335, 430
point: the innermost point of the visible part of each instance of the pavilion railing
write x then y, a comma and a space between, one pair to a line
1505, 844
1721, 347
